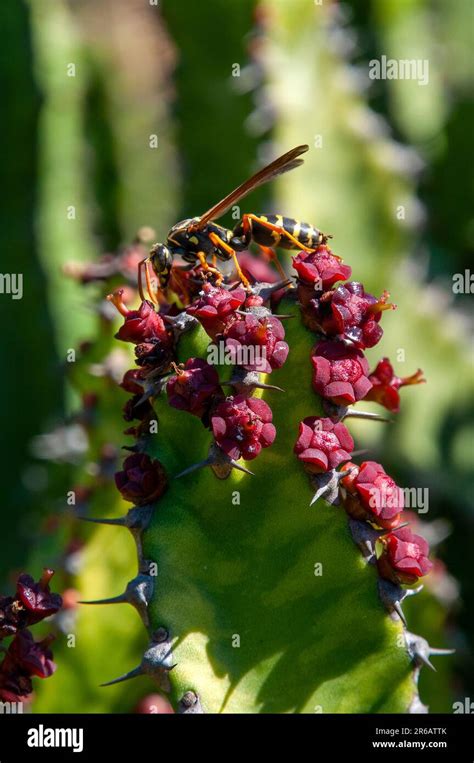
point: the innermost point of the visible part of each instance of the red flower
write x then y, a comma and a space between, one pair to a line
357, 314
260, 337
153, 354
193, 387
404, 558
27, 657
215, 308
340, 372
385, 385
136, 409
11, 618
242, 426
373, 495
15, 688
253, 300
133, 381
32, 603
323, 445
37, 597
142, 479
320, 269
142, 325
350, 313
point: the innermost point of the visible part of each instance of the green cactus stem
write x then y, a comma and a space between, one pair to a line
266, 600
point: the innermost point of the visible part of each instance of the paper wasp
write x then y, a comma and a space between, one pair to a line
198, 238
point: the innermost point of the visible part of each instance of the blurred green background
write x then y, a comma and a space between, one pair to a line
120, 113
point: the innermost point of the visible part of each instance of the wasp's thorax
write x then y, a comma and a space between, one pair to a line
181, 233
187, 240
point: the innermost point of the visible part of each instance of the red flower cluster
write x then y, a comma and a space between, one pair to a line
350, 313
142, 479
385, 385
133, 381
26, 657
154, 343
144, 328
256, 343
371, 494
32, 603
37, 598
404, 558
348, 319
346, 312
347, 316
319, 270
137, 407
215, 308
323, 445
35, 657
142, 325
194, 387
253, 341
340, 372
242, 426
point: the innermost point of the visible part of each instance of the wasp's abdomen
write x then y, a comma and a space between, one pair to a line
306, 234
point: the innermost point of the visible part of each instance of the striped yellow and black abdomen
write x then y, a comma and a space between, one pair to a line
306, 234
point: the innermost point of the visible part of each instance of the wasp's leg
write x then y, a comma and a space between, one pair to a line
209, 268
247, 223
271, 255
152, 293
220, 244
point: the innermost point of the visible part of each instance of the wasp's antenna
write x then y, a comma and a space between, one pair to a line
140, 280
149, 286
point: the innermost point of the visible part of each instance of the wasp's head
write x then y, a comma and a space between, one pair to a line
161, 260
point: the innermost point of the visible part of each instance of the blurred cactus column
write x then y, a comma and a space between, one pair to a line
63, 213
434, 113
131, 59
29, 387
355, 175
214, 82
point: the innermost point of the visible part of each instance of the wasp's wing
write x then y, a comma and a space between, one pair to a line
283, 164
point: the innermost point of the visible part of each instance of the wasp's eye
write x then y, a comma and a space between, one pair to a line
160, 255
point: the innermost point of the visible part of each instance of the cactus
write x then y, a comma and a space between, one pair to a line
251, 583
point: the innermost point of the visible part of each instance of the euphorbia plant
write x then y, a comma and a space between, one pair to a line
229, 559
